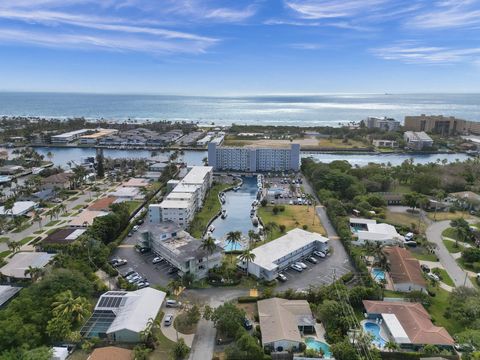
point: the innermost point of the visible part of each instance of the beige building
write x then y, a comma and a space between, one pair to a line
439, 124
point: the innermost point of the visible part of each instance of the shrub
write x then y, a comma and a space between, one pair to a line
247, 299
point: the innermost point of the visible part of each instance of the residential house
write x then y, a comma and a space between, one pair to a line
405, 271
57, 181
21, 261
367, 230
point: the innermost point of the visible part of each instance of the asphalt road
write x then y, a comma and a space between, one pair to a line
434, 234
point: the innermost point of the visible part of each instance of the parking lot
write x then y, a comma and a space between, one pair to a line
285, 190
156, 274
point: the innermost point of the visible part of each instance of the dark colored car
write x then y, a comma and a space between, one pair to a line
247, 324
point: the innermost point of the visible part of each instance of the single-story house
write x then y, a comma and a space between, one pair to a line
86, 218
406, 323
467, 199
136, 182
44, 195
19, 208
57, 181
7, 292
367, 230
111, 353
405, 270
62, 236
283, 321
102, 204
11, 169
18, 263
122, 316
127, 193
158, 166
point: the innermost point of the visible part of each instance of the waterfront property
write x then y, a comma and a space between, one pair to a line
283, 322
276, 255
21, 261
57, 181
185, 198
93, 139
408, 324
254, 159
180, 249
385, 143
417, 140
20, 208
405, 271
122, 316
466, 199
439, 124
127, 194
383, 123
365, 230
70, 136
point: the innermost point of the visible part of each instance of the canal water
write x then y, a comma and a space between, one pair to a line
64, 155
238, 204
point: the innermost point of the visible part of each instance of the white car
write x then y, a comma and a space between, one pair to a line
157, 259
296, 267
301, 264
135, 228
319, 253
433, 276
282, 277
168, 320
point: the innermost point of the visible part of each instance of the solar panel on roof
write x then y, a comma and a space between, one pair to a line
110, 301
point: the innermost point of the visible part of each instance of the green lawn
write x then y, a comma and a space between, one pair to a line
26, 240
437, 311
393, 294
53, 223
78, 207
133, 205
163, 345
22, 227
293, 216
210, 208
424, 256
450, 233
444, 276
404, 219
451, 246
4, 239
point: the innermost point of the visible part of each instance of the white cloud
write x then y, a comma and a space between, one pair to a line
412, 52
226, 14
328, 9
306, 46
448, 14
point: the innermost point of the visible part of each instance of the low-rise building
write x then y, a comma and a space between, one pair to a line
367, 230
93, 139
276, 255
179, 211
70, 136
21, 261
57, 181
466, 199
20, 208
63, 236
7, 292
283, 321
405, 271
407, 324
417, 140
102, 204
86, 218
122, 316
136, 182
127, 194
385, 143
180, 249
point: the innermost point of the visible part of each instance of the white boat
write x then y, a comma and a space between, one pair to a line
224, 214
211, 228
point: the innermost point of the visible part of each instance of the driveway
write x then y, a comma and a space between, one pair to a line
434, 234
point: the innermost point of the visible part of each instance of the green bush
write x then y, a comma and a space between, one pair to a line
247, 299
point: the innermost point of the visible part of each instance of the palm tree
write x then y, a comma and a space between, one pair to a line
14, 246
233, 238
209, 246
8, 206
251, 237
74, 309
391, 346
152, 324
174, 286
247, 255
37, 218
61, 208
50, 156
34, 273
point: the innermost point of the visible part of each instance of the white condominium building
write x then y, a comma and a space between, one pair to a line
254, 159
185, 198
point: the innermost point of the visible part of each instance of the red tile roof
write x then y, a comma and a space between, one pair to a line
102, 204
404, 268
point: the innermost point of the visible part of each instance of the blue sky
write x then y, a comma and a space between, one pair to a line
212, 47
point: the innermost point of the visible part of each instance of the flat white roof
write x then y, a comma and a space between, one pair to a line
186, 188
19, 208
197, 175
396, 329
72, 133
362, 221
266, 255
175, 204
7, 292
180, 195
125, 192
20, 262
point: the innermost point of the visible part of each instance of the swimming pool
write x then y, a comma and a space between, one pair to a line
318, 345
374, 329
378, 274
232, 246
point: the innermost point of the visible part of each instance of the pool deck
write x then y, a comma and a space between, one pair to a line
320, 333
389, 282
383, 333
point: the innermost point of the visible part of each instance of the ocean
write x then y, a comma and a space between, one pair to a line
302, 110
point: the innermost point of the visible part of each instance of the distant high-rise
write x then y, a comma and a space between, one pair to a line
439, 124
254, 159
385, 123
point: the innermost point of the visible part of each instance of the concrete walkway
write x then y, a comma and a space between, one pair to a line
434, 234
171, 333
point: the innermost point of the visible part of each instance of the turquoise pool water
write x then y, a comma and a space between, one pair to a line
232, 247
378, 274
374, 330
318, 345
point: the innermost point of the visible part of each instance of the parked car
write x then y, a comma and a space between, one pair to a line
409, 236
130, 234
247, 324
319, 253
172, 270
168, 320
134, 279
301, 264
172, 303
135, 228
143, 284
128, 272
282, 277
142, 249
140, 221
119, 262
425, 268
312, 260
157, 259
296, 267
433, 276
128, 277
411, 243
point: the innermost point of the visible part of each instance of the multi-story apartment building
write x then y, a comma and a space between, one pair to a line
254, 159
384, 123
439, 124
